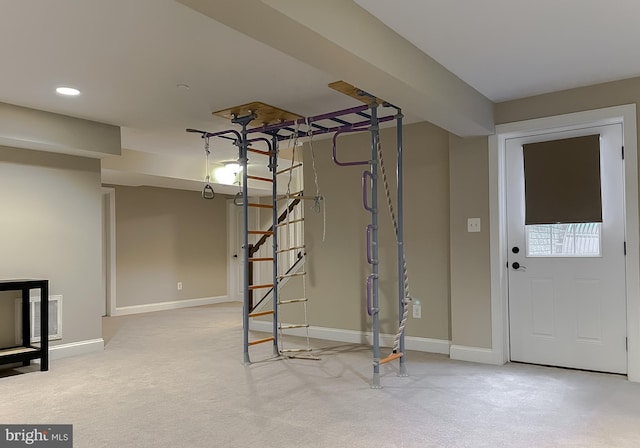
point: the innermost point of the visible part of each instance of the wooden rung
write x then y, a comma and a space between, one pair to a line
290, 249
251, 260
261, 313
259, 205
391, 357
290, 196
260, 341
286, 302
302, 356
260, 232
293, 221
296, 274
308, 198
293, 167
264, 179
258, 151
252, 287
289, 327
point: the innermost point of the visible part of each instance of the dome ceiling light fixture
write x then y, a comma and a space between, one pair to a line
228, 173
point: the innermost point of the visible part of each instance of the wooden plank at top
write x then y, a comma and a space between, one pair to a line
354, 92
266, 114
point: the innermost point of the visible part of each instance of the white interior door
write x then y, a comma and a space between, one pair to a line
567, 298
235, 254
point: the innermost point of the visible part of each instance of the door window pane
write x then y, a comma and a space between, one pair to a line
564, 240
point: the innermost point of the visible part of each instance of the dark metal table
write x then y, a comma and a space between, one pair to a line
26, 352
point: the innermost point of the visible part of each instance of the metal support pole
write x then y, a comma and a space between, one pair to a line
375, 138
273, 166
243, 145
400, 238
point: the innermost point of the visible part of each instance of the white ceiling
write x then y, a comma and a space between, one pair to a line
509, 49
128, 56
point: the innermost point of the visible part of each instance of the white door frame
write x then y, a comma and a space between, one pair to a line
109, 245
498, 225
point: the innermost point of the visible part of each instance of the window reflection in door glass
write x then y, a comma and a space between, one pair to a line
564, 240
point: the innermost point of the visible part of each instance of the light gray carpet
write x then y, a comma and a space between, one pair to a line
175, 379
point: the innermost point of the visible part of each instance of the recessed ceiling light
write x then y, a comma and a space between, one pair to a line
68, 91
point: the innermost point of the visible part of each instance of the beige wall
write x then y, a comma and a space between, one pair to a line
470, 273
574, 100
338, 268
50, 228
23, 127
471, 305
166, 236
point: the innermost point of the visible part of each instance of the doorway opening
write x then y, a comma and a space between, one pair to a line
109, 251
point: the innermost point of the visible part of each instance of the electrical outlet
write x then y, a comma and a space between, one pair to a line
473, 225
179, 286
417, 309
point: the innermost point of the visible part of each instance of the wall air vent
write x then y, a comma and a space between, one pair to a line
55, 318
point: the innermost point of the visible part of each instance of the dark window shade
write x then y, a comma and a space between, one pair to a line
562, 181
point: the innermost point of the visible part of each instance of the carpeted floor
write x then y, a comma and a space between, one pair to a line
175, 379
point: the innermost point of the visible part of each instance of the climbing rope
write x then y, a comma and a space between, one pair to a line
406, 297
293, 143
295, 236
318, 197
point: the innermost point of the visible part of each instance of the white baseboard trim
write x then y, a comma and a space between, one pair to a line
474, 354
75, 348
163, 306
359, 337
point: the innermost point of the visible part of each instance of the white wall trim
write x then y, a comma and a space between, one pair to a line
358, 337
110, 222
626, 115
163, 306
474, 354
76, 348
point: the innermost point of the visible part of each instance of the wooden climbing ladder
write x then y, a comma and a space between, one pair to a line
287, 257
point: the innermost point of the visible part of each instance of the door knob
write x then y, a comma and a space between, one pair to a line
515, 265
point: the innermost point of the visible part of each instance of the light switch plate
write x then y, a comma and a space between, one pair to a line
473, 225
